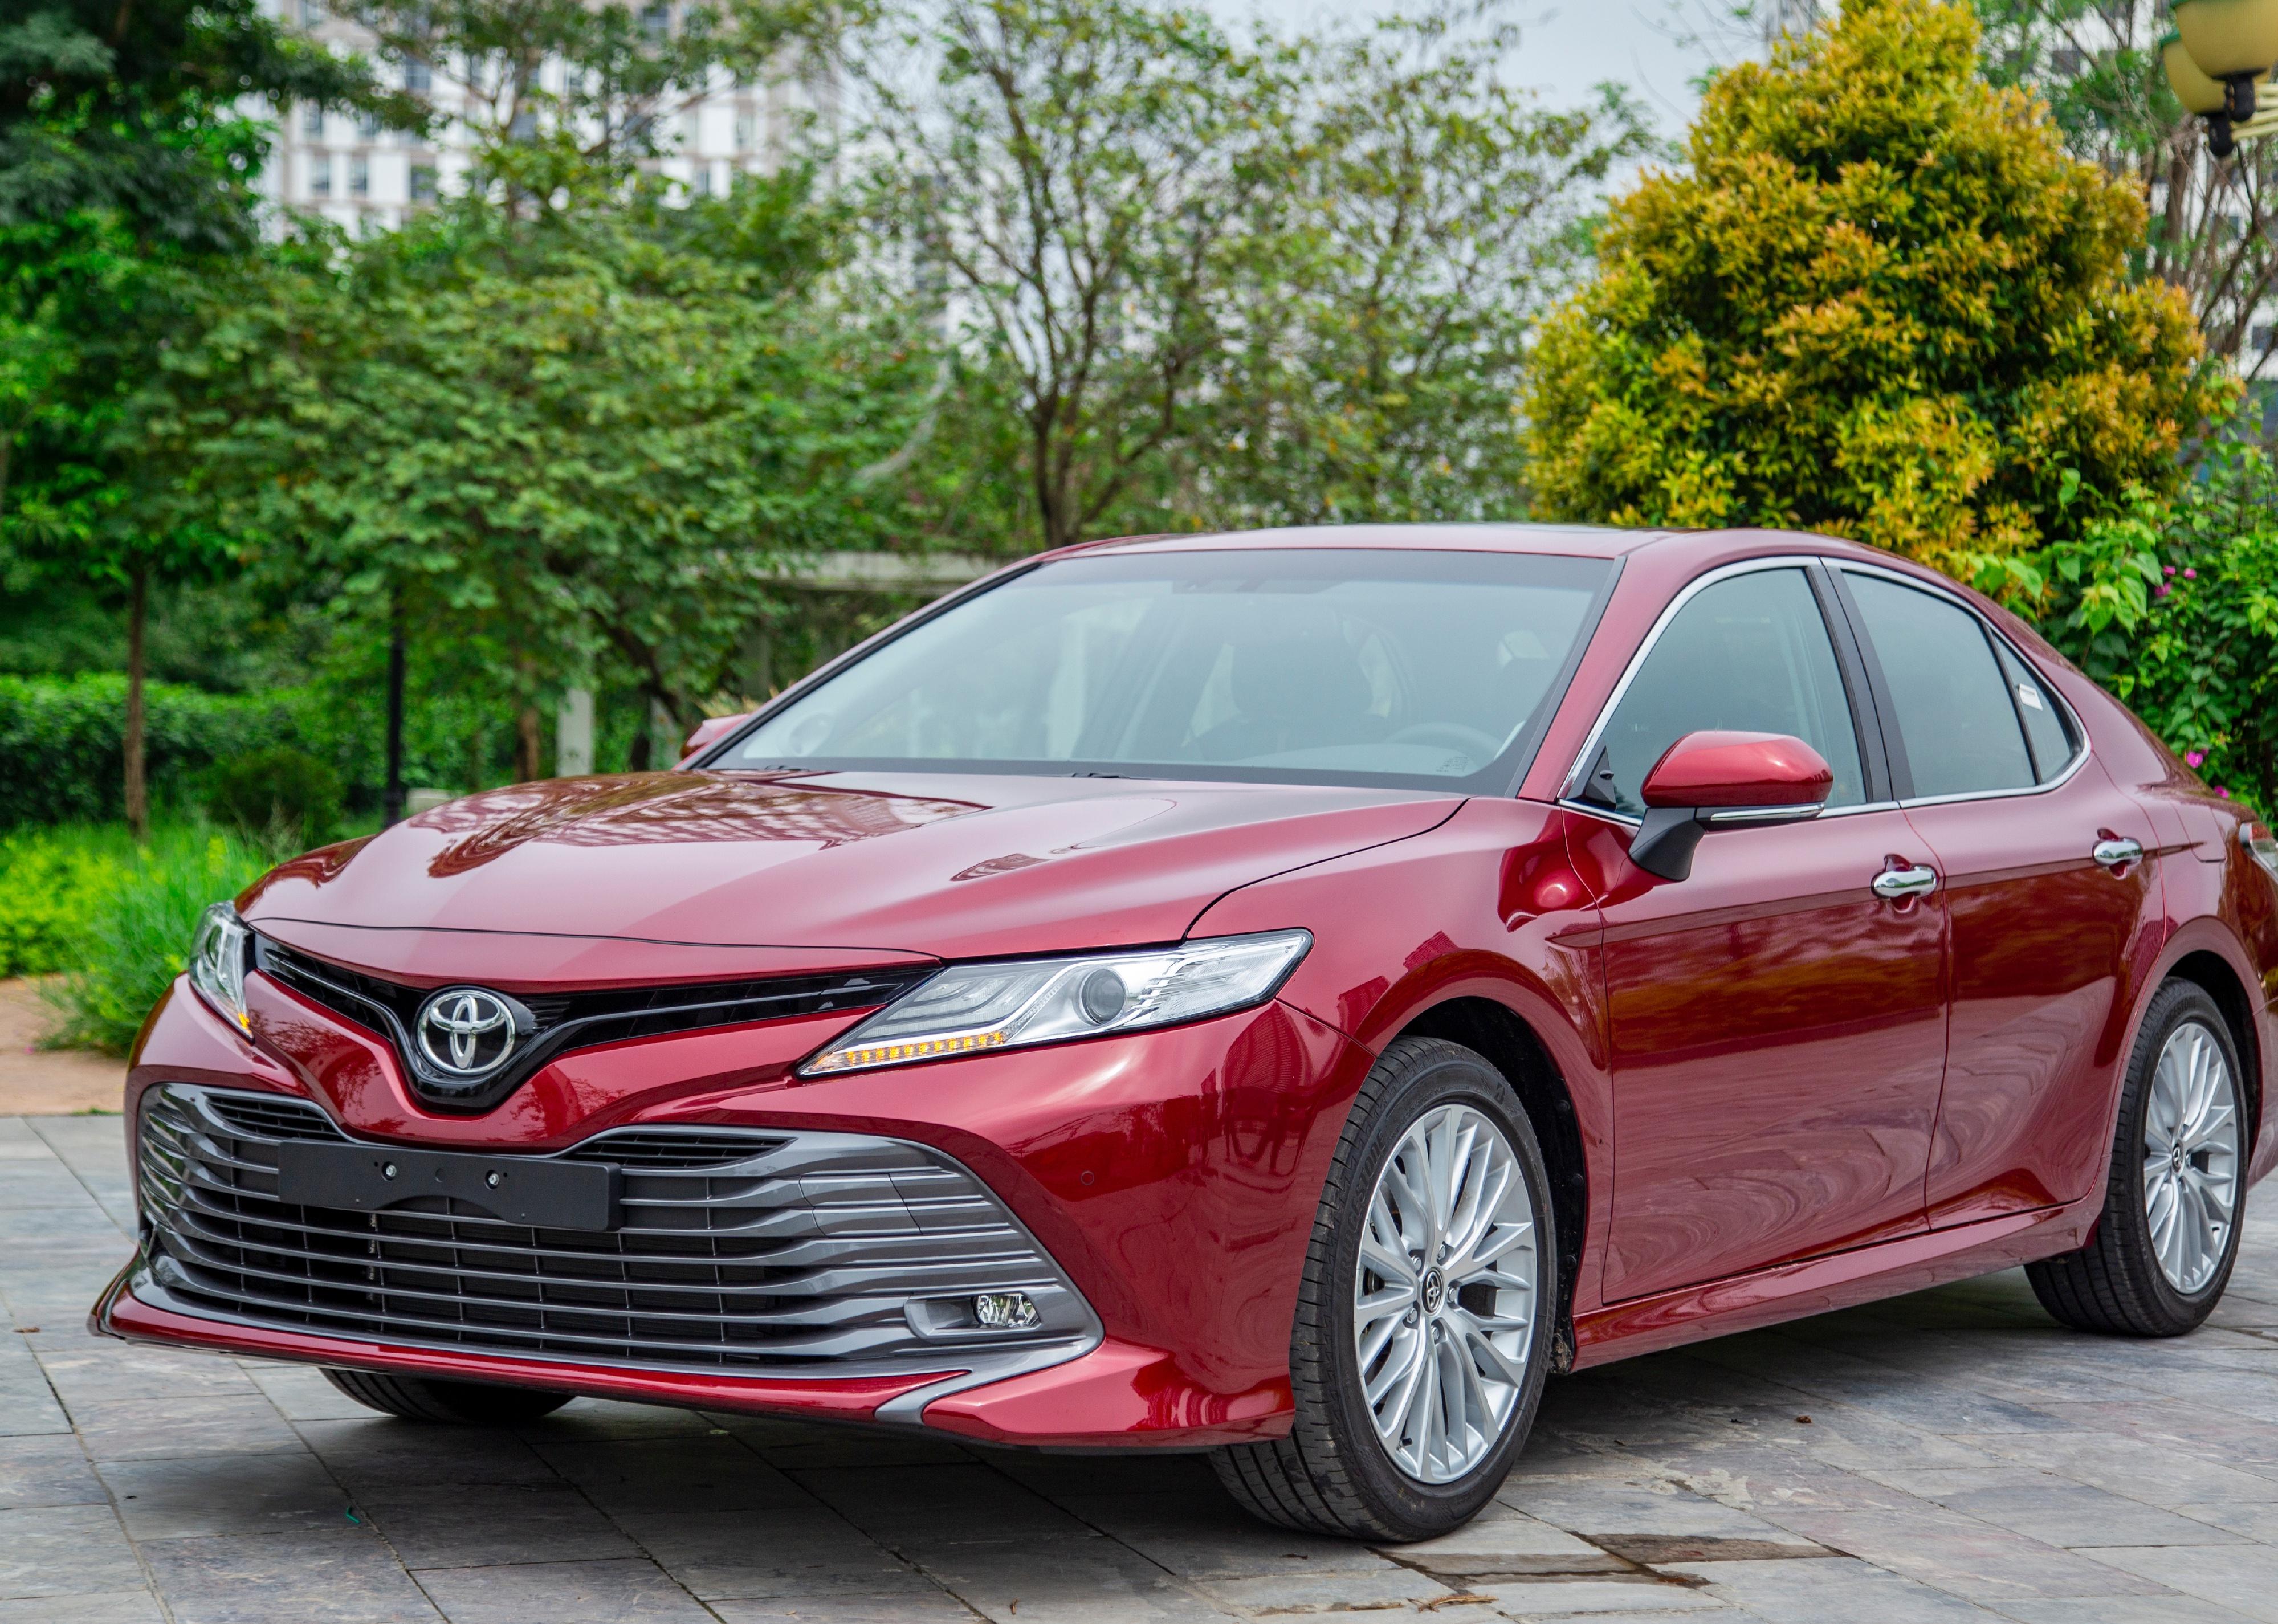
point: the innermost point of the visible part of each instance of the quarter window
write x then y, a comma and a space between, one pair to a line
1955, 713
1750, 652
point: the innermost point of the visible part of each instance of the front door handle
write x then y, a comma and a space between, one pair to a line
1894, 883
2117, 853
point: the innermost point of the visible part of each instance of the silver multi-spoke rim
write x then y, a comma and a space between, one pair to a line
2191, 1157
1444, 1293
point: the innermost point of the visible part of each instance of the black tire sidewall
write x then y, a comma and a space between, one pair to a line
2181, 1004
1448, 1075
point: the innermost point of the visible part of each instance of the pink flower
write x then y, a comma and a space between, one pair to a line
2191, 575
2163, 589
2224, 793
2192, 758
2171, 569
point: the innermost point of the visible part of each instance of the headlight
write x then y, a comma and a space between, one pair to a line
218, 956
968, 1007
2260, 845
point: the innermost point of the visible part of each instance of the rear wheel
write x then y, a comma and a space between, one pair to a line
2168, 1234
466, 1404
1424, 1316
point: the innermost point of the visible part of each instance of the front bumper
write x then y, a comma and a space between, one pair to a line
1166, 1181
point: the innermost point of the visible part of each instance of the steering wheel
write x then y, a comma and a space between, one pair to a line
1480, 747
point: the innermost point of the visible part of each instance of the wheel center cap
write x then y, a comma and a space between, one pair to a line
2176, 1159
1433, 1292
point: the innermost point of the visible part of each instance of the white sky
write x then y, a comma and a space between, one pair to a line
1565, 46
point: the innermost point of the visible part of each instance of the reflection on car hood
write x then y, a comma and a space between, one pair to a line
951, 865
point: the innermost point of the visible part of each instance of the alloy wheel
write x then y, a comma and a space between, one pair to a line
1444, 1294
2191, 1157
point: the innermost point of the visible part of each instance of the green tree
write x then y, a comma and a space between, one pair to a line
126, 167
1072, 179
1423, 213
567, 416
1883, 302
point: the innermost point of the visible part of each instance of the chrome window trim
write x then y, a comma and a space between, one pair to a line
1569, 788
2072, 722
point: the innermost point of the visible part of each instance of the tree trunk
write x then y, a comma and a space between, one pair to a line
138, 614
391, 795
527, 766
643, 753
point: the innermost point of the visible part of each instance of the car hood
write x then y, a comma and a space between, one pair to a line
890, 864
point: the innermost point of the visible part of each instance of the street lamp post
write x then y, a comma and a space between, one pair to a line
2220, 53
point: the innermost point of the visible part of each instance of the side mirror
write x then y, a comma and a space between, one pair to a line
1713, 780
710, 731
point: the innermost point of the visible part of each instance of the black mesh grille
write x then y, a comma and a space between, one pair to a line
757, 1252
569, 1021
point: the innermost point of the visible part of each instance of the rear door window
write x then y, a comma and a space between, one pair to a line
1956, 718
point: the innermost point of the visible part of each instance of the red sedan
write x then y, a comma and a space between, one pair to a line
1283, 994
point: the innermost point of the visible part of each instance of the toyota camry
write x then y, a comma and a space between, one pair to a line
1287, 995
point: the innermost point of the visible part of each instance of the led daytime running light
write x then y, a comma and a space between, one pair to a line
968, 1008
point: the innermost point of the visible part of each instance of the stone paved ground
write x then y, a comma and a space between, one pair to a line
1949, 1456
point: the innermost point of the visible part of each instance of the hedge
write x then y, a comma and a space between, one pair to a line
62, 740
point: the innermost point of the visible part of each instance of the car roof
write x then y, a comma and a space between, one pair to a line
1563, 540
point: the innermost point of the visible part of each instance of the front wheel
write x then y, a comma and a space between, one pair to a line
2164, 1244
1425, 1313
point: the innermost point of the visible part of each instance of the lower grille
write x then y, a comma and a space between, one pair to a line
756, 1252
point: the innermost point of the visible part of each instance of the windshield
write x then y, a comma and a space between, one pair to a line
1431, 669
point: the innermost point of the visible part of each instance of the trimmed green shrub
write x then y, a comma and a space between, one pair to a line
61, 742
280, 792
136, 936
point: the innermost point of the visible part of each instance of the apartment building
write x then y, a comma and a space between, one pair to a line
354, 172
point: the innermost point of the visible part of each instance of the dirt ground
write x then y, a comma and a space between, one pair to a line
37, 1082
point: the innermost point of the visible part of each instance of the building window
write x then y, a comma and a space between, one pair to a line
656, 20
703, 181
422, 183
312, 12
2264, 332
525, 127
2068, 61
360, 175
320, 174
417, 75
368, 126
744, 122
312, 122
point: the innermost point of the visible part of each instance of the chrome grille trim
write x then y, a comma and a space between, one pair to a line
807, 1257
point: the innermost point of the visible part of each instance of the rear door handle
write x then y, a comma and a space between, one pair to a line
2117, 853
1893, 883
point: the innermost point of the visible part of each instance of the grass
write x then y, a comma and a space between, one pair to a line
112, 921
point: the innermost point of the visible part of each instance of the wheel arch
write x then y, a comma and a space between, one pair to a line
1514, 1048
2214, 974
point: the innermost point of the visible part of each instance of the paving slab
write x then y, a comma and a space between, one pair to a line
1963, 1458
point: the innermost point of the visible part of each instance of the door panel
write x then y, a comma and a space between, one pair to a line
2039, 930
1777, 1037
2041, 936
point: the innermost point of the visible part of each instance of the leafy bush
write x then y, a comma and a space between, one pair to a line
2172, 606
49, 882
280, 792
136, 934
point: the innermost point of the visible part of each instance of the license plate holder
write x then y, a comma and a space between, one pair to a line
542, 1193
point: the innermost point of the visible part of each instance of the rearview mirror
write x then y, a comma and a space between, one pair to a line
710, 731
1717, 780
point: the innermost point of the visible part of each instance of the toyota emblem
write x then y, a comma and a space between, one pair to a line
466, 1031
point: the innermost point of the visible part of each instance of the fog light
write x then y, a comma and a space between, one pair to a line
1006, 1311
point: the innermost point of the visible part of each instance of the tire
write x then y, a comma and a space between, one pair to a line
465, 1404
1335, 1473
2120, 1283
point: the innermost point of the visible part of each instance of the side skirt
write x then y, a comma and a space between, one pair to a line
1821, 1285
